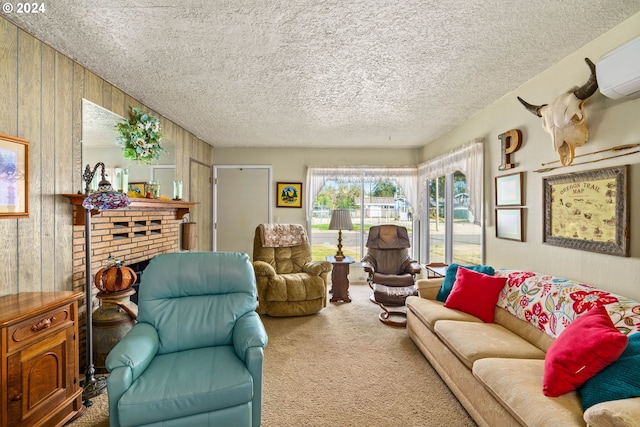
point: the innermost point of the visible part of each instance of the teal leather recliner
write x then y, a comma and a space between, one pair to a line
195, 356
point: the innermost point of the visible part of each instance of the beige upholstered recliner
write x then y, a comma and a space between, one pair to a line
289, 282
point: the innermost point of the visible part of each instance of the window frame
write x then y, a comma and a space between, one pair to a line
404, 177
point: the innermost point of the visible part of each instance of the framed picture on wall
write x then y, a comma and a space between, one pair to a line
289, 195
509, 190
509, 224
14, 177
588, 211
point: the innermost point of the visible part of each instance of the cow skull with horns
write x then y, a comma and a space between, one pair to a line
565, 120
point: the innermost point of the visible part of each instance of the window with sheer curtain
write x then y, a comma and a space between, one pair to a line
450, 204
373, 195
443, 197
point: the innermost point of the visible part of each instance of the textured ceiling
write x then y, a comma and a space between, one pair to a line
313, 73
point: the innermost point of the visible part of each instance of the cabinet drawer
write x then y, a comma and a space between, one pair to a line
39, 326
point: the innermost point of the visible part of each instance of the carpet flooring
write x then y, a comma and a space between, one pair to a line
342, 367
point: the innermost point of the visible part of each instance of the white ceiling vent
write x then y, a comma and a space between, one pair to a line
618, 72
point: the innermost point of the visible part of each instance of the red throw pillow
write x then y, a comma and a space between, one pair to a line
589, 344
475, 293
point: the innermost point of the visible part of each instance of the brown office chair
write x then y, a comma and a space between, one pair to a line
391, 270
289, 283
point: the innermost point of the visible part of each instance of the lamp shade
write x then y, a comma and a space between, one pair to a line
104, 201
340, 220
105, 198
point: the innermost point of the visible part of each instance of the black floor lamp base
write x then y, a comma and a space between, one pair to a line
93, 388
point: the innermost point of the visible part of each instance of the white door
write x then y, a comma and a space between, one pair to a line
200, 192
242, 199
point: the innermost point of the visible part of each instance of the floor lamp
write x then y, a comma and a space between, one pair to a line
103, 199
340, 220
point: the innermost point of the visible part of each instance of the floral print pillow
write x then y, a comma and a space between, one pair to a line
551, 303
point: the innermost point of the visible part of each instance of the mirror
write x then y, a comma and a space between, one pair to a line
99, 144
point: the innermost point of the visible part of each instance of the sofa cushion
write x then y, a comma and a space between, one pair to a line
430, 311
471, 341
210, 379
475, 293
450, 278
516, 384
551, 303
619, 380
586, 347
522, 328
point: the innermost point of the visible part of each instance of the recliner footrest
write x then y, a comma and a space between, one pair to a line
393, 295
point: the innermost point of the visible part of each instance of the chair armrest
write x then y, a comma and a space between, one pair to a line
428, 288
118, 382
254, 362
412, 267
135, 350
262, 268
248, 332
615, 413
316, 268
126, 361
368, 267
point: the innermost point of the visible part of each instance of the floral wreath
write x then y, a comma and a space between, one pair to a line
140, 137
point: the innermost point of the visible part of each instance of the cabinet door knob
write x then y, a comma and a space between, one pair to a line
16, 397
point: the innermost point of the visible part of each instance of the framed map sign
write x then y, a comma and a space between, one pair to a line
588, 211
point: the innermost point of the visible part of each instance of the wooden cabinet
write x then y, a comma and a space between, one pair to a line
39, 379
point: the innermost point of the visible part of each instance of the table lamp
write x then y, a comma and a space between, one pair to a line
340, 220
103, 199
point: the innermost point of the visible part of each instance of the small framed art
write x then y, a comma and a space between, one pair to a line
137, 188
289, 195
14, 177
509, 190
509, 224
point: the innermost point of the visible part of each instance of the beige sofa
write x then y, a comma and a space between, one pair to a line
496, 369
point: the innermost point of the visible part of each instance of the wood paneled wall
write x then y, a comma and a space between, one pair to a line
41, 93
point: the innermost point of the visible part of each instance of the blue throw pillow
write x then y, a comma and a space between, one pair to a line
620, 380
450, 278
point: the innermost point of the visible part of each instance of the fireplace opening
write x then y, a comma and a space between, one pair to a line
138, 268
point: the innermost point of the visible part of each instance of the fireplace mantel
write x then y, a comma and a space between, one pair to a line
181, 207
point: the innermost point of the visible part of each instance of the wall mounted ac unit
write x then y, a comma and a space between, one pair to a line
618, 72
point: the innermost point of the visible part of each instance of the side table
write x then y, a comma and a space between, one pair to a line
436, 270
340, 279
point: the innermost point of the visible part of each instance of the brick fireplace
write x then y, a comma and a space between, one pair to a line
147, 227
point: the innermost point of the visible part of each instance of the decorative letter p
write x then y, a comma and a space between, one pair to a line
510, 142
